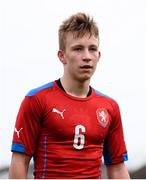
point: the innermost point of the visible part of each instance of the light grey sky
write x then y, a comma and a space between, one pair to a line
28, 59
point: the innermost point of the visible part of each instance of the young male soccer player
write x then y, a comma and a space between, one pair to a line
66, 125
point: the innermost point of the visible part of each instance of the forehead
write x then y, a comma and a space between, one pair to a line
87, 39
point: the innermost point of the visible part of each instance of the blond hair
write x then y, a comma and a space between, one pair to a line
78, 24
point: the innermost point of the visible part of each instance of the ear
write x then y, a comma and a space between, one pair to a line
61, 56
99, 55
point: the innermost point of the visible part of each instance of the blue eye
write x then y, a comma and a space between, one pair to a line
77, 49
93, 49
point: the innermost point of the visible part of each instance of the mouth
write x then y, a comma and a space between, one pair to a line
86, 67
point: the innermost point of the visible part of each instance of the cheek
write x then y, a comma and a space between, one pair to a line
95, 62
96, 59
73, 60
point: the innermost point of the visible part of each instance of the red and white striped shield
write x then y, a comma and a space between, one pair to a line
102, 116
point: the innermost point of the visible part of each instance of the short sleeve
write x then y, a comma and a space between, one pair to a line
27, 126
115, 150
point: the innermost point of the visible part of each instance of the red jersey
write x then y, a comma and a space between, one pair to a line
66, 135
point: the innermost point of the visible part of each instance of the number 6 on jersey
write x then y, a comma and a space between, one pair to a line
79, 139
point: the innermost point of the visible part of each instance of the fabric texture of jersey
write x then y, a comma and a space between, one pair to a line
66, 135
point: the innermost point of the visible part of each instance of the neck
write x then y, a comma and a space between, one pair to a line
75, 88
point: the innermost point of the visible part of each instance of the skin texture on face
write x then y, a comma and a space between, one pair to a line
80, 57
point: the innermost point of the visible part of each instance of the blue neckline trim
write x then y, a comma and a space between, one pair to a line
34, 91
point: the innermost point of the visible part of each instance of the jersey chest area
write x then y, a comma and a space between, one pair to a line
70, 120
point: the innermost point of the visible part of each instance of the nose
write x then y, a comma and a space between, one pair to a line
86, 56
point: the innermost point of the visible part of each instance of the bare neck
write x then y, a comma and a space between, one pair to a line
75, 88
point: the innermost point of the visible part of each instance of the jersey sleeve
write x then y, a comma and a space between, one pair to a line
114, 150
27, 126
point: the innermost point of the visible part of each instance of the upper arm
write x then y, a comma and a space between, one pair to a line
25, 137
19, 166
27, 127
20, 158
114, 145
117, 171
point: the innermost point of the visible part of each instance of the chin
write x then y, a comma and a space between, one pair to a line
84, 78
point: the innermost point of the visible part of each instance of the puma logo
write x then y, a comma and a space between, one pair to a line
58, 112
18, 132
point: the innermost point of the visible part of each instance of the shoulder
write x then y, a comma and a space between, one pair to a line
36, 98
106, 98
40, 89
109, 104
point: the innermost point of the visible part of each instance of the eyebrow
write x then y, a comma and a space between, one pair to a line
80, 45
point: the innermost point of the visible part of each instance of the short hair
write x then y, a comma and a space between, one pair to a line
78, 24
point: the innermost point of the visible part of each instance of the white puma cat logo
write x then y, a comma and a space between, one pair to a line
18, 132
58, 112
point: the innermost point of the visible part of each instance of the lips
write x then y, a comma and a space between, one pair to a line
86, 67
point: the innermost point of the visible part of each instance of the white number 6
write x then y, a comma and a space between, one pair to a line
79, 139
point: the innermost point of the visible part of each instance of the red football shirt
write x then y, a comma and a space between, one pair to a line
66, 135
